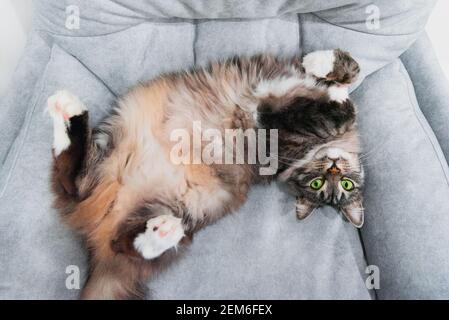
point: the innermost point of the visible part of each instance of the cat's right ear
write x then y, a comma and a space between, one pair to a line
304, 208
354, 213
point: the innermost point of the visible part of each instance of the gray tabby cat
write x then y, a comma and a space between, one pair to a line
118, 185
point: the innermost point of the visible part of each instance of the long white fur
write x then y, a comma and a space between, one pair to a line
338, 93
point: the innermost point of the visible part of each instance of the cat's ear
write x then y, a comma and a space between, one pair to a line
354, 213
304, 208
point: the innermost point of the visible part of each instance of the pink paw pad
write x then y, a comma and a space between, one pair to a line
59, 110
162, 233
162, 229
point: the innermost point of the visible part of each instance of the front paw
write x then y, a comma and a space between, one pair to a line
319, 63
332, 65
161, 233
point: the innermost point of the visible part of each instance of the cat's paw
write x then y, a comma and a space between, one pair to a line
161, 233
62, 106
333, 65
319, 63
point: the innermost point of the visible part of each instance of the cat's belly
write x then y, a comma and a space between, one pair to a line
142, 160
146, 173
204, 194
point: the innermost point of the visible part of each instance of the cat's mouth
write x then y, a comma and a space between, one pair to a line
336, 161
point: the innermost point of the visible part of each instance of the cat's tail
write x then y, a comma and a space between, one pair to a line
116, 279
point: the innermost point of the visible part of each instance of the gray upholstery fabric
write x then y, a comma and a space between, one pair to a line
36, 247
431, 87
14, 105
322, 24
407, 222
261, 251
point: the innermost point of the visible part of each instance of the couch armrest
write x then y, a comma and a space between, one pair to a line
431, 88
18, 99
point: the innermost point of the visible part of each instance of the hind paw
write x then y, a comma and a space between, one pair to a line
162, 233
62, 106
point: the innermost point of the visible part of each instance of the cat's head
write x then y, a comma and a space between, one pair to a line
327, 175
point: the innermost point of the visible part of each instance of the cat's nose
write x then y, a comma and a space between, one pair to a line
334, 169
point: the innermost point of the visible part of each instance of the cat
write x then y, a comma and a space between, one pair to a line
118, 186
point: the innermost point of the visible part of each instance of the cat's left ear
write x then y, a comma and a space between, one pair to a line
354, 212
304, 208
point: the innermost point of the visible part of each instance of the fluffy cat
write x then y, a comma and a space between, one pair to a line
118, 185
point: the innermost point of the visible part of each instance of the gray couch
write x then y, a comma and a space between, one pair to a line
261, 251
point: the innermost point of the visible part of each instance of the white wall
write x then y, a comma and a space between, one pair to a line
438, 30
16, 15
15, 21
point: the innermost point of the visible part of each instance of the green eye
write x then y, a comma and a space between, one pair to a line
347, 184
317, 183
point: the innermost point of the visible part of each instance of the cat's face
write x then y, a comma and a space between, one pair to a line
328, 176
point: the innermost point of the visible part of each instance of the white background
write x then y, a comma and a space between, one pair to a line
16, 15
